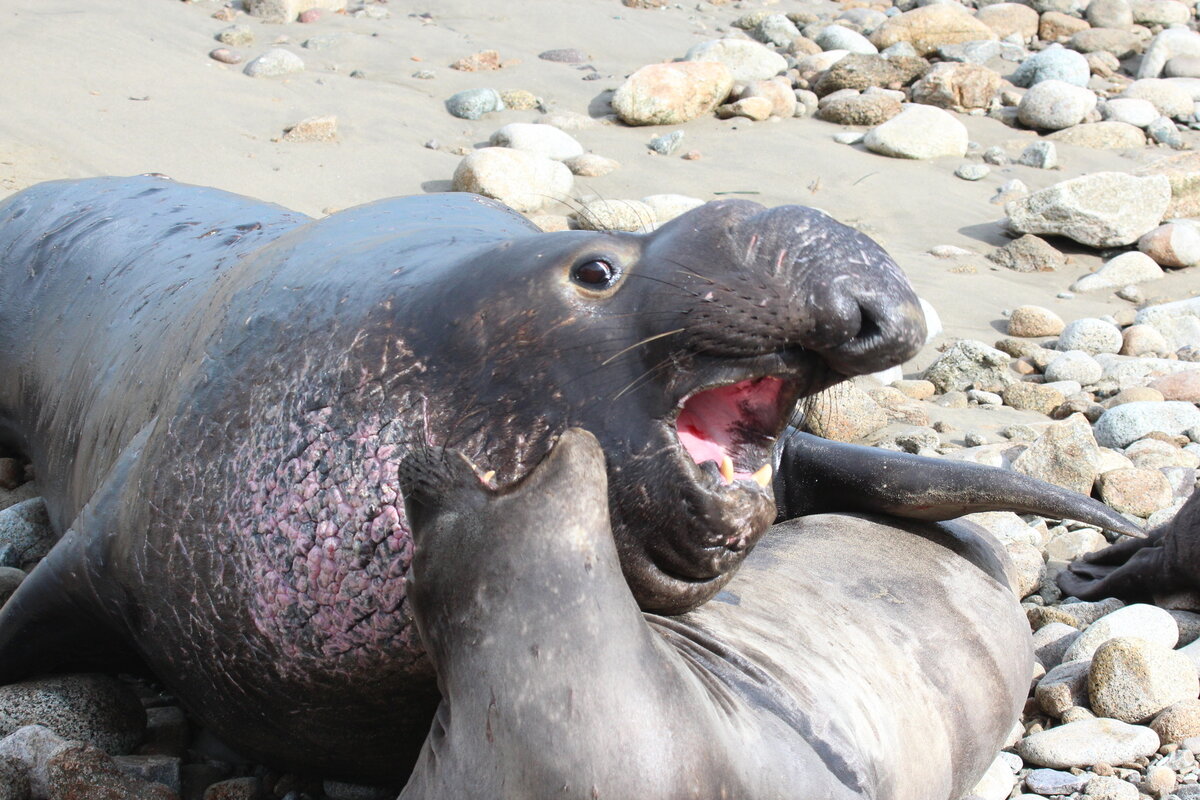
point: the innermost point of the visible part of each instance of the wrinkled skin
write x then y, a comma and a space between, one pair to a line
1166, 562
217, 393
851, 657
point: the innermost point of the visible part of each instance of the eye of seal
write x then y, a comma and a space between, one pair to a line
596, 274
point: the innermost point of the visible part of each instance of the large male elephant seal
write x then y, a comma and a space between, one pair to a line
849, 658
216, 394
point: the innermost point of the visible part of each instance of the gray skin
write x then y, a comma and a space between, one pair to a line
217, 393
1166, 562
851, 657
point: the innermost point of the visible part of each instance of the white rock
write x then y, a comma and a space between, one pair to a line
919, 132
1139, 619
667, 207
997, 781
1169, 97
274, 63
838, 37
1102, 209
1128, 422
1054, 105
746, 60
1175, 244
1168, 44
518, 179
1088, 742
542, 140
1130, 110
1074, 365
1091, 335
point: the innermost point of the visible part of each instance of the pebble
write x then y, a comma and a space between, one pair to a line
1164, 131
1183, 386
474, 103
520, 100
745, 60
1087, 742
1109, 787
1127, 423
1074, 365
1120, 44
1091, 336
542, 140
1174, 244
1041, 155
1047, 782
667, 143
972, 172
1101, 209
313, 129
860, 71
1153, 454
919, 132
337, 790
997, 781
1055, 63
1050, 642
959, 87
1110, 14
325, 41
1028, 253
1031, 320
91, 708
1070, 545
275, 63
25, 533
568, 55
235, 36
968, 364
1132, 679
859, 109
518, 179
844, 413
1066, 454
839, 37
1160, 12
1006, 19
590, 165
671, 94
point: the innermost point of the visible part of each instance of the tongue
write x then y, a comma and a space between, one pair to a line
713, 422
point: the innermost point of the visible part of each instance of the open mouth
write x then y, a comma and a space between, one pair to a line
728, 430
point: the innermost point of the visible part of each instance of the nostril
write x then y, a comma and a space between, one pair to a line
869, 331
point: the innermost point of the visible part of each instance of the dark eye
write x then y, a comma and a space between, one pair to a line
596, 274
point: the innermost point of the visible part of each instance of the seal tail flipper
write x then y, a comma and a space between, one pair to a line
816, 475
553, 683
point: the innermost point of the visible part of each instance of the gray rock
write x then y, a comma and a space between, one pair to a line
980, 52
1130, 110
777, 30
1170, 96
1132, 679
1052, 781
474, 103
1028, 253
1042, 155
838, 37
1164, 131
1051, 641
326, 41
1109, 135
1167, 45
919, 132
14, 780
1125, 269
1088, 742
1065, 455
1055, 63
275, 63
667, 143
1054, 105
746, 60
1160, 12
1102, 209
25, 529
1128, 422
542, 140
91, 708
1062, 688
1138, 619
972, 172
152, 769
235, 36
1091, 336
966, 364
1110, 787
1074, 365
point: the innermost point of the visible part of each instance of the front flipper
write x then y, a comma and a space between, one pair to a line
62, 615
553, 683
1165, 562
816, 475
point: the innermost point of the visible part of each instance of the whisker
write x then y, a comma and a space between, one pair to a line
647, 340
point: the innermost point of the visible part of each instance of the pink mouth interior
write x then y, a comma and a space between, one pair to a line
714, 424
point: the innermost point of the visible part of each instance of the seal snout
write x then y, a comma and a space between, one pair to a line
868, 322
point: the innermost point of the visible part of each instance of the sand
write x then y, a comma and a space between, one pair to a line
104, 87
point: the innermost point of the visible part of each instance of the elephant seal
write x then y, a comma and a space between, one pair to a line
1165, 563
216, 394
851, 657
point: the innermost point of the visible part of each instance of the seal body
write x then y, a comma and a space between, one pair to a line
217, 395
851, 657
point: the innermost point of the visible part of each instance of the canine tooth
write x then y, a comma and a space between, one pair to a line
489, 476
727, 469
763, 476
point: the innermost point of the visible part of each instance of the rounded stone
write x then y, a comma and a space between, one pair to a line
275, 63
1127, 268
839, 37
90, 708
1178, 721
1100, 209
1141, 339
1171, 99
542, 140
1175, 244
1005, 19
1130, 110
745, 60
1108, 135
1091, 336
1088, 742
1054, 105
1136, 491
1138, 619
919, 132
670, 94
518, 179
1110, 14
1030, 320
1127, 423
1167, 45
1074, 365
859, 109
1132, 679
1055, 63
929, 27
474, 103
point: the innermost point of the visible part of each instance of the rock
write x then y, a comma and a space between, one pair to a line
10, 579
997, 781
670, 94
929, 27
1121, 44
152, 769
1055, 26
1167, 45
1139, 619
1077, 615
1160, 12
1132, 679
1110, 14
1050, 642
1028, 254
521, 100
839, 37
859, 109
1006, 19
1101, 136
25, 533
1042, 155
843, 413
1091, 336
1033, 397
518, 179
1054, 105
1183, 67
777, 91
969, 364
1088, 742
1129, 422
313, 129
1164, 131
667, 207
972, 172
1046, 782
1070, 545
615, 215
543, 140
667, 143
919, 132
336, 790
590, 165
1172, 245
744, 60
474, 103
957, 86
1124, 270
1178, 721
1055, 63
1178, 322
753, 108
1028, 321
1130, 110
1140, 339
1074, 365
1110, 787
92, 708
1171, 99
859, 71
80, 770
275, 63
1062, 688
1066, 454
1102, 209
1183, 386
1139, 492
235, 36
279, 11
1183, 172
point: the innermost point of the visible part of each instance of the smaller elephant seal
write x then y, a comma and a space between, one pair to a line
851, 657
1167, 562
